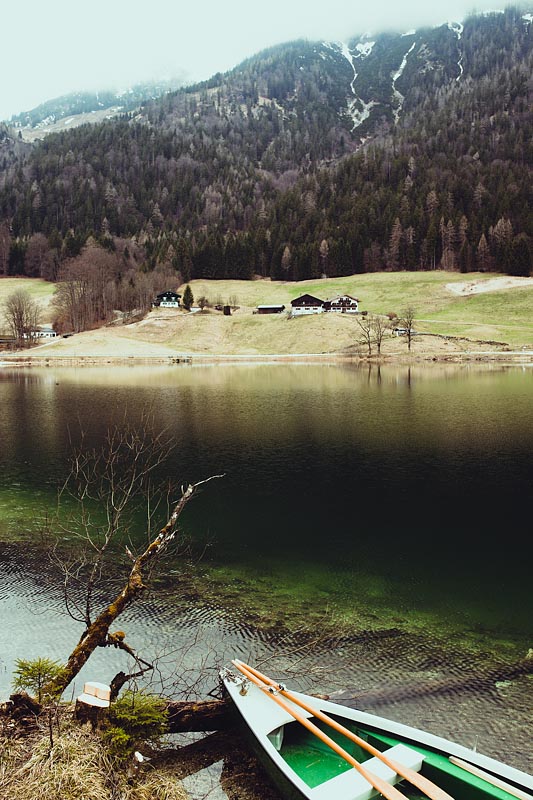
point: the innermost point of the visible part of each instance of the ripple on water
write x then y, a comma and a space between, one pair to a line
192, 641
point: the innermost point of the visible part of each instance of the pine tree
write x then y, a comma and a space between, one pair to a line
483, 254
188, 298
520, 257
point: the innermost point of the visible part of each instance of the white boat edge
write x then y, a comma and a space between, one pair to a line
263, 716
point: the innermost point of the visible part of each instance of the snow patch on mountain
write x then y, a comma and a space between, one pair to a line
395, 76
358, 110
359, 115
364, 49
457, 28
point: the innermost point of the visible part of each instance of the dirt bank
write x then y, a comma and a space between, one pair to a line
489, 285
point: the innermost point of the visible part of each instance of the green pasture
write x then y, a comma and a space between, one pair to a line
379, 292
39, 290
505, 315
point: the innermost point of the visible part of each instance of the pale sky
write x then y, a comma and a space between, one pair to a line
52, 47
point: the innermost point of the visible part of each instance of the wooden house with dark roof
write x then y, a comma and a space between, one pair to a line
270, 309
307, 304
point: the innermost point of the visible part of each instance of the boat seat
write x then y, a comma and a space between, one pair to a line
351, 785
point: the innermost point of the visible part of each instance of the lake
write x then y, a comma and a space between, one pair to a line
387, 507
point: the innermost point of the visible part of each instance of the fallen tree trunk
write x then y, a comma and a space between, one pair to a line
21, 708
183, 717
216, 715
206, 715
191, 758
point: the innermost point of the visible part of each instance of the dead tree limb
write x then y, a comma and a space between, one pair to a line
97, 632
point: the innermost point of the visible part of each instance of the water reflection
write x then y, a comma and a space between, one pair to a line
390, 498
349, 460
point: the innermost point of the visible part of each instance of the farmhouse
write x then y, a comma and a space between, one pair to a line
43, 332
344, 303
167, 300
272, 309
307, 304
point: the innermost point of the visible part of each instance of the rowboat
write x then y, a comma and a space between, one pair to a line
318, 750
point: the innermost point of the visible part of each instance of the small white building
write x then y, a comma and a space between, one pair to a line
307, 304
167, 300
44, 332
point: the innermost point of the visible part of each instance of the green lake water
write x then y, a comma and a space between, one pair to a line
357, 499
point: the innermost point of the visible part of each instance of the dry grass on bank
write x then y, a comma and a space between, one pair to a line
77, 766
167, 333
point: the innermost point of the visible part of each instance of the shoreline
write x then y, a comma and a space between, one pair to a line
512, 357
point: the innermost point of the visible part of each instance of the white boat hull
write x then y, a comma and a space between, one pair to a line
265, 721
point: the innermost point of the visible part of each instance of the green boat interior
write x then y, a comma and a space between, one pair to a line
315, 763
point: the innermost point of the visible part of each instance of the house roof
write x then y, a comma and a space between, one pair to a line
307, 300
168, 294
271, 305
340, 297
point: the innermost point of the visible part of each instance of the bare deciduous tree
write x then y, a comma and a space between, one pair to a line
372, 330
380, 327
85, 293
364, 323
107, 484
324, 254
21, 313
407, 322
38, 258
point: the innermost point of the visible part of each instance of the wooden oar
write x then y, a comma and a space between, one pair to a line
429, 788
486, 776
388, 791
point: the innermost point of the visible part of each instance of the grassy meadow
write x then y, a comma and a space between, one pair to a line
500, 315
378, 292
504, 316
39, 290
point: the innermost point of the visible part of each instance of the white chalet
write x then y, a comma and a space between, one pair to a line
344, 303
167, 300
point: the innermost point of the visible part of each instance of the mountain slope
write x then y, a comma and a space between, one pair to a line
77, 108
408, 150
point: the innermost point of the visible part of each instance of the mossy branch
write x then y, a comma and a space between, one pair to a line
97, 633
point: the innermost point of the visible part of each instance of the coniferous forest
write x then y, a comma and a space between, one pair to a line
408, 151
